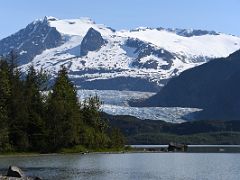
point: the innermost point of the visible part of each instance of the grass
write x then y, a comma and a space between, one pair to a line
75, 149
12, 153
82, 149
72, 150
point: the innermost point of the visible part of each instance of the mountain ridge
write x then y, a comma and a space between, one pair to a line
151, 55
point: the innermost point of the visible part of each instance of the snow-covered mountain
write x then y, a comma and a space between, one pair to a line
98, 57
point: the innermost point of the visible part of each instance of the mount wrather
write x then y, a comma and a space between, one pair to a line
99, 57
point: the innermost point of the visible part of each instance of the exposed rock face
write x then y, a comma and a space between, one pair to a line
144, 49
31, 41
194, 32
182, 32
92, 41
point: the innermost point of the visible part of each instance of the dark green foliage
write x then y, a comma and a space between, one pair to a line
17, 111
32, 120
139, 131
64, 118
5, 91
35, 109
218, 138
72, 123
117, 138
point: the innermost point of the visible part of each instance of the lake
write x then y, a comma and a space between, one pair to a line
139, 166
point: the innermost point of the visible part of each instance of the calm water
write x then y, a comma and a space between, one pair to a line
165, 166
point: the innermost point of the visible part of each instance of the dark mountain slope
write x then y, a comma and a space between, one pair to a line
213, 87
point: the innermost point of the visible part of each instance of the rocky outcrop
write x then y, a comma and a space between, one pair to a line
144, 49
92, 41
15, 173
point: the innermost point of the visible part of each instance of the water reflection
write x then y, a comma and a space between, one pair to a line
165, 166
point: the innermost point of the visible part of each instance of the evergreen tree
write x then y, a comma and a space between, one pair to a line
64, 118
91, 108
117, 139
95, 130
35, 109
17, 111
4, 97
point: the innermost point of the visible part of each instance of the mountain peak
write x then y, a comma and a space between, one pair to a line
92, 41
77, 27
50, 18
87, 20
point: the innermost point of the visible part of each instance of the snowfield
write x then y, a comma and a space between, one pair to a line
207, 45
78, 27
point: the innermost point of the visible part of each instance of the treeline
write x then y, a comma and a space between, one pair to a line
31, 120
137, 131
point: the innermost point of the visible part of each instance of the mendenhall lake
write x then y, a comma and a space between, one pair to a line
124, 166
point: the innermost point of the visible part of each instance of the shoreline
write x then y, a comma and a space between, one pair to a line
128, 152
132, 152
132, 149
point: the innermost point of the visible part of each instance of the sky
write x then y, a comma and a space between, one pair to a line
218, 15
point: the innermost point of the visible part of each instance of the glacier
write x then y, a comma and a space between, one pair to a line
116, 103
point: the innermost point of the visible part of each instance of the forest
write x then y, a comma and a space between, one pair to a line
201, 132
39, 116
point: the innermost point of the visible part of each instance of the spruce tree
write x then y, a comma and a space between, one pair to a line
64, 118
35, 110
91, 108
17, 112
4, 97
117, 138
95, 130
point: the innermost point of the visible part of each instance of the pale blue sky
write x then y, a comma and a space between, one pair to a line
219, 15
